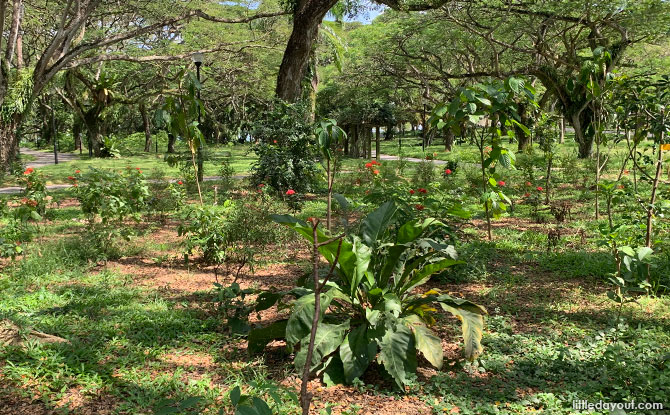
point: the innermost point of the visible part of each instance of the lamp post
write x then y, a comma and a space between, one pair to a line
197, 60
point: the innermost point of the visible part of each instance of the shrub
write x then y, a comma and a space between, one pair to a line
285, 149
165, 195
233, 233
108, 199
35, 196
372, 307
424, 173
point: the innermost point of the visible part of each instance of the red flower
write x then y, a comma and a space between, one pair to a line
77, 171
501, 183
261, 185
28, 171
368, 165
137, 168
539, 188
375, 172
529, 184
274, 141
621, 186
526, 195
422, 190
419, 207
180, 182
290, 192
447, 171
75, 185
411, 192
71, 178
375, 163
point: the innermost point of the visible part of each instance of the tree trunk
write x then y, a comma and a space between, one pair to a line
522, 138
171, 140
147, 127
377, 143
448, 139
95, 132
584, 134
306, 19
76, 132
562, 130
9, 146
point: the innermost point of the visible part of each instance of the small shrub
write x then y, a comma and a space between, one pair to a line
424, 174
285, 149
165, 195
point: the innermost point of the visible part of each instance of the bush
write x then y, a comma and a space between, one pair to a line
165, 196
285, 149
233, 233
35, 196
108, 199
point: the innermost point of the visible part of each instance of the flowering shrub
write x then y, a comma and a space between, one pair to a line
165, 196
35, 196
112, 196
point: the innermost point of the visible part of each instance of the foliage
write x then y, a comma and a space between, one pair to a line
374, 303
165, 196
285, 149
233, 233
109, 198
35, 195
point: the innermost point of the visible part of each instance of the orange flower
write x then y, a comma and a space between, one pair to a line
28, 171
375, 172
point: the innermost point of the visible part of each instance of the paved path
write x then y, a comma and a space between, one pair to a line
386, 157
45, 158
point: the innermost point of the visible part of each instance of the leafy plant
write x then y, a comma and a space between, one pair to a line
372, 309
285, 149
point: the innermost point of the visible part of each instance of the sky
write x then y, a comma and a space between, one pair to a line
366, 17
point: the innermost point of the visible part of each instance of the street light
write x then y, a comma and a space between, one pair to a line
197, 60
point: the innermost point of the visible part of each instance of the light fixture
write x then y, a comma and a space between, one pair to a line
197, 58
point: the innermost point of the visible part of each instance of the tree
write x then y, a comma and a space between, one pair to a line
64, 34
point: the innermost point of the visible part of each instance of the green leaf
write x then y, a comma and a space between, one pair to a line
356, 353
374, 225
413, 229
300, 322
398, 353
259, 338
328, 338
471, 316
422, 275
235, 395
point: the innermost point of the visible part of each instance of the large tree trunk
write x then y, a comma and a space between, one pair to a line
76, 133
448, 139
147, 127
95, 134
171, 140
522, 138
9, 145
306, 19
582, 124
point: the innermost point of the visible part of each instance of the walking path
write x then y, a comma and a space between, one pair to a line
43, 158
386, 157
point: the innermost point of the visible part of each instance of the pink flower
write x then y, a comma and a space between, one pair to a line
290, 192
447, 171
501, 183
